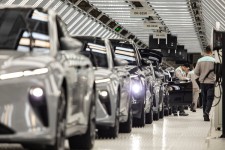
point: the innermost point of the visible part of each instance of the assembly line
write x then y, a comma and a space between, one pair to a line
76, 76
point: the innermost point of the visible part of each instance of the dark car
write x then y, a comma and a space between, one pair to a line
151, 59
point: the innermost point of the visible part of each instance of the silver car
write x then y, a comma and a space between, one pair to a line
113, 104
140, 91
47, 89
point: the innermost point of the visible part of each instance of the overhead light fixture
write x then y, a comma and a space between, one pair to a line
104, 19
95, 12
84, 6
124, 32
112, 24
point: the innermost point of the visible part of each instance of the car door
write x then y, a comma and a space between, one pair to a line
75, 76
124, 78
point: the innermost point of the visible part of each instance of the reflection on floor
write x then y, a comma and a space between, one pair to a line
171, 133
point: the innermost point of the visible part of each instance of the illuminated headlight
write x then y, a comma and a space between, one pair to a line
25, 73
102, 80
103, 93
104, 96
38, 102
136, 88
37, 93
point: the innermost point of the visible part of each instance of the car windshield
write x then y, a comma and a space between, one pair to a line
127, 52
24, 30
96, 51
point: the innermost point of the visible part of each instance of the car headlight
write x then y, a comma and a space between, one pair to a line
38, 101
102, 80
25, 73
136, 88
37, 92
103, 93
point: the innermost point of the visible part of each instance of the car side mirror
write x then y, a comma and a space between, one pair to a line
68, 43
120, 62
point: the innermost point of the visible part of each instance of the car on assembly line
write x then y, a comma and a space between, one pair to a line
113, 86
155, 58
47, 88
141, 94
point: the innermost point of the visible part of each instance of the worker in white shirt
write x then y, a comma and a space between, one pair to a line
195, 89
181, 74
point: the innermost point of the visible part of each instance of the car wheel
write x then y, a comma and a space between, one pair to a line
170, 111
140, 122
156, 116
60, 125
86, 141
149, 116
111, 132
126, 127
161, 113
166, 111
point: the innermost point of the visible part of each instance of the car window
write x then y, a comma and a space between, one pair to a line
127, 53
96, 51
24, 30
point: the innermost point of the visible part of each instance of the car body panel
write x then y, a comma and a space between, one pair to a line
136, 74
21, 71
106, 80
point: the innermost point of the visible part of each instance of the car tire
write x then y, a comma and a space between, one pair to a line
166, 111
149, 117
156, 116
161, 113
60, 125
86, 141
126, 127
140, 122
170, 111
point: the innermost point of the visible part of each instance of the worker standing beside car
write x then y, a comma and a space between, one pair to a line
205, 70
195, 89
181, 74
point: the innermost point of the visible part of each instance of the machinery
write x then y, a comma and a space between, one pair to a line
218, 96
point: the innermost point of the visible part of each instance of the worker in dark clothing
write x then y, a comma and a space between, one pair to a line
204, 69
181, 74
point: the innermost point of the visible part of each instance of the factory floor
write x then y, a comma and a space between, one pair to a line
170, 133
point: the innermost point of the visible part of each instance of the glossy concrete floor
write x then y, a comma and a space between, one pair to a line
170, 133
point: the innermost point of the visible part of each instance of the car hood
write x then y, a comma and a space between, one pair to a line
14, 61
102, 73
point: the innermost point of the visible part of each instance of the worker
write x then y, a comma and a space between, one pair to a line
205, 70
180, 73
195, 89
